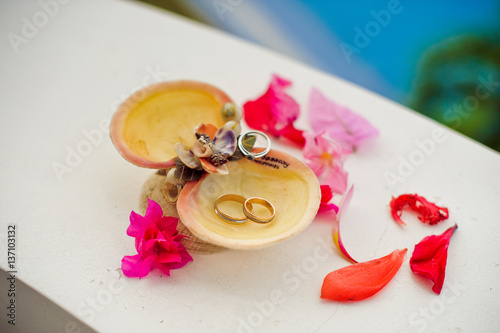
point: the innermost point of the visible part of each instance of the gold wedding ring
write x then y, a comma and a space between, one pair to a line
226, 217
248, 210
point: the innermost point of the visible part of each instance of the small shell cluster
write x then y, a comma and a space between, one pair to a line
210, 152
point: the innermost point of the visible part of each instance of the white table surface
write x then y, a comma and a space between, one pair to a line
70, 76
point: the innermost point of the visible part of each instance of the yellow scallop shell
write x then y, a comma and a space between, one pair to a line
146, 126
280, 178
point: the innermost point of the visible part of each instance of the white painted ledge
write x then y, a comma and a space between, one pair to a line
64, 84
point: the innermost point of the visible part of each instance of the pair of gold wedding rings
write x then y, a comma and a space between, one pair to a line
247, 209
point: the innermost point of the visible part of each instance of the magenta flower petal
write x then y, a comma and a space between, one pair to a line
137, 225
157, 243
274, 112
328, 207
341, 124
168, 223
136, 266
283, 107
430, 256
153, 211
165, 268
167, 257
326, 196
185, 258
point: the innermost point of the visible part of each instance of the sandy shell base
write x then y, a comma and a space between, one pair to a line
152, 189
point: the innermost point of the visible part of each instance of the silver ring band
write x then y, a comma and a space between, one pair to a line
250, 155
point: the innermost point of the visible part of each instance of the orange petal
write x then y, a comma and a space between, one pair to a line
362, 280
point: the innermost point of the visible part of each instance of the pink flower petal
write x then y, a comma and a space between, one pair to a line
312, 154
337, 179
341, 124
325, 158
336, 226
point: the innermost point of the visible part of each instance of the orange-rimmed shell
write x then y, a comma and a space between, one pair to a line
147, 125
283, 180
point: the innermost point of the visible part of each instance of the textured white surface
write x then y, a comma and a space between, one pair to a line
69, 78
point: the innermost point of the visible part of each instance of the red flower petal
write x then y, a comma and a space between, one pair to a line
326, 193
429, 212
274, 112
429, 258
362, 280
326, 196
294, 135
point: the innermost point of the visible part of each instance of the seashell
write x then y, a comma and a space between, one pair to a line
203, 137
172, 192
217, 159
207, 129
172, 179
224, 141
231, 112
149, 123
235, 126
187, 156
210, 168
280, 178
202, 149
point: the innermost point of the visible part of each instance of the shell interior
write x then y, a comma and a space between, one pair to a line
147, 126
289, 185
